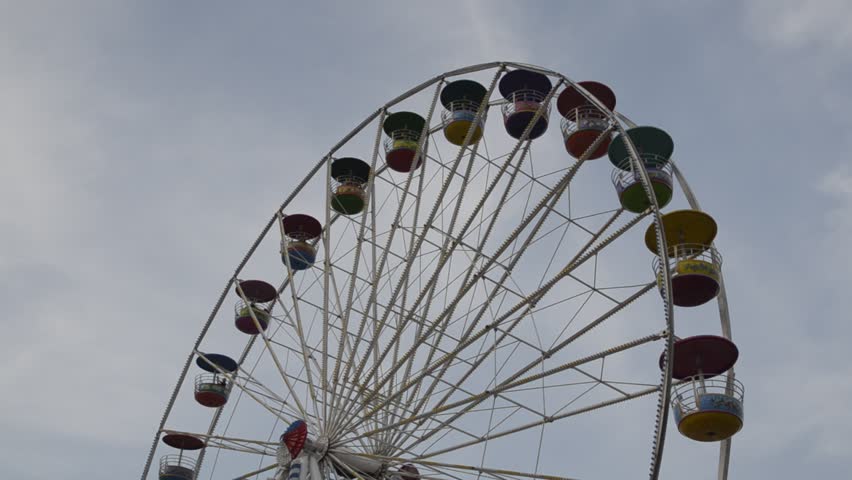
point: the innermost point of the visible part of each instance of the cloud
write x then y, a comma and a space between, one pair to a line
824, 24
838, 184
837, 222
146, 147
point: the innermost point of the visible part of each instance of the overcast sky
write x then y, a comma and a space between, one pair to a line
145, 144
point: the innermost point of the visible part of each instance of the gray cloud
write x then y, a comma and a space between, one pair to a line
143, 147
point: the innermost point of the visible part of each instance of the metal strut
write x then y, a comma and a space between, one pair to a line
337, 424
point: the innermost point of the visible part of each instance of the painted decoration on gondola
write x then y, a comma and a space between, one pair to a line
294, 437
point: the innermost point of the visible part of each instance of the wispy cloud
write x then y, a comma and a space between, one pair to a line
142, 148
803, 23
837, 186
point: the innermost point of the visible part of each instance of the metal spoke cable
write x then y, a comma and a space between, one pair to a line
382, 259
431, 217
467, 225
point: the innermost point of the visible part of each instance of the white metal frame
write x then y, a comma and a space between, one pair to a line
374, 396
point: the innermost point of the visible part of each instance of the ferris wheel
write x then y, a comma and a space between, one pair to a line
449, 295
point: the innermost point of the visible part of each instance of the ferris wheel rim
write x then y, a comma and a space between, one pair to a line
381, 112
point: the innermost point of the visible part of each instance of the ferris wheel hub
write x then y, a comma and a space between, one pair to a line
319, 446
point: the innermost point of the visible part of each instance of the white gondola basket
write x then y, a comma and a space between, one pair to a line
525, 101
698, 394
584, 118
177, 467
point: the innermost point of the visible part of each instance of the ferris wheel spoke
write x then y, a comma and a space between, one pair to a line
299, 329
393, 444
550, 419
508, 385
415, 246
428, 429
458, 240
270, 349
445, 256
326, 236
582, 251
515, 380
482, 332
438, 466
397, 192
473, 259
553, 192
254, 396
553, 256
413, 395
431, 288
283, 404
522, 406
427, 343
385, 307
567, 222
336, 289
420, 238
446, 170
267, 395
456, 415
254, 473
492, 161
410, 254
382, 259
600, 381
556, 302
250, 384
479, 251
291, 392
592, 288
416, 319
356, 279
587, 328
373, 371
291, 323
457, 198
403, 430
325, 385
355, 266
451, 427
551, 197
577, 397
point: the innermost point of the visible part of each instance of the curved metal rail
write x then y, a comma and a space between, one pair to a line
638, 167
